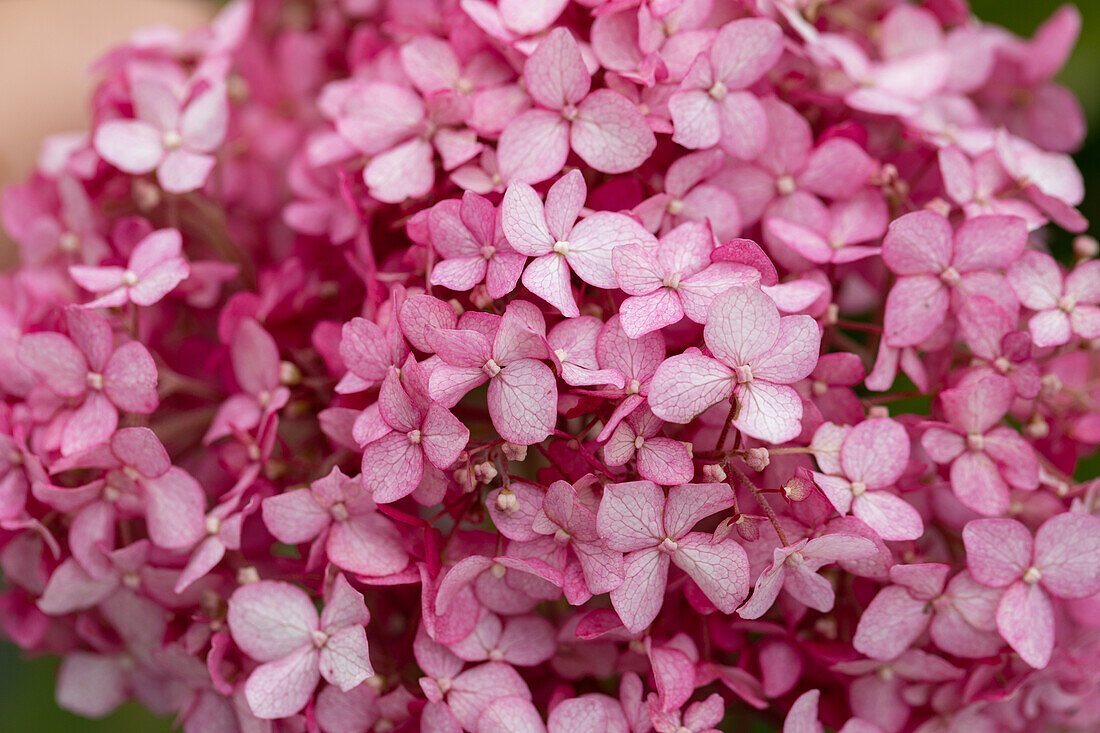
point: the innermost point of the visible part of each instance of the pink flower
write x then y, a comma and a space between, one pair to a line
790, 171
572, 525
673, 279
836, 234
1063, 307
256, 365
960, 619
572, 344
277, 624
414, 430
468, 235
939, 269
173, 136
660, 460
991, 334
637, 519
550, 233
756, 355
603, 127
794, 569
522, 390
687, 196
342, 517
1063, 561
985, 458
872, 458
154, 270
87, 372
711, 106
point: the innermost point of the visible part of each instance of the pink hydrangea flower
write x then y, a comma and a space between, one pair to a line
939, 269
85, 370
1063, 560
986, 458
757, 354
1063, 307
601, 126
551, 234
873, 457
673, 279
173, 135
338, 514
154, 270
637, 518
469, 237
712, 106
277, 624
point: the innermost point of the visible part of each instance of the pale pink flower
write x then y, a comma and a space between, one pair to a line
603, 127
277, 624
636, 359
991, 334
873, 457
551, 234
469, 237
838, 234
339, 515
522, 641
986, 458
795, 569
712, 106
154, 270
176, 137
1063, 560
756, 355
522, 395
87, 371
572, 345
687, 196
660, 460
637, 519
802, 718
673, 279
960, 619
938, 269
414, 430
254, 355
368, 350
1064, 306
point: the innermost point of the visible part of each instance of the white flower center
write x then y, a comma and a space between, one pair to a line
68, 242
172, 140
859, 488
1032, 576
320, 638
414, 437
561, 247
1067, 303
675, 207
95, 381
717, 91
673, 281
976, 441
785, 185
743, 374
639, 442
667, 545
339, 512
950, 276
491, 368
213, 525
129, 278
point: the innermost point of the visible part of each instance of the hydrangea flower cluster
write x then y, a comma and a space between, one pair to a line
533, 365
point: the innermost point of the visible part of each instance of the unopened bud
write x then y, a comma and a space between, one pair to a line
798, 488
713, 473
462, 478
831, 315
1085, 247
757, 459
480, 298
939, 206
507, 501
1037, 427
877, 411
145, 194
248, 575
289, 374
514, 452
484, 472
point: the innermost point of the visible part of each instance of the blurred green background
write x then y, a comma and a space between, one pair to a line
26, 686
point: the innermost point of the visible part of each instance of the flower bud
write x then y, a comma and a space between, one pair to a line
514, 452
798, 488
484, 472
757, 459
714, 473
1085, 247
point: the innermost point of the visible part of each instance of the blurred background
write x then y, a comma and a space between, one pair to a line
45, 45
